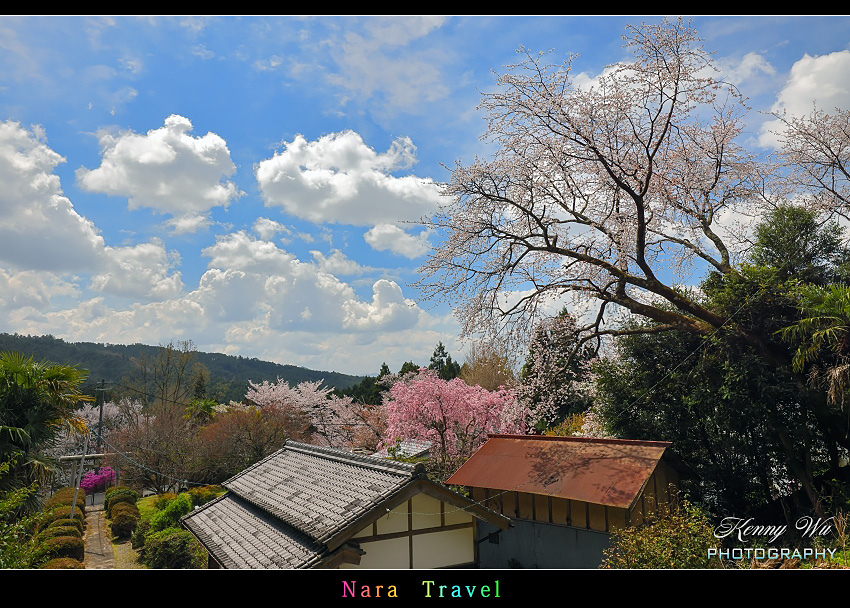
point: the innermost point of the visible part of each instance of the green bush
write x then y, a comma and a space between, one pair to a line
125, 519
65, 497
54, 531
62, 562
201, 496
125, 507
63, 513
170, 515
65, 546
123, 495
116, 489
137, 540
64, 523
676, 537
163, 499
173, 548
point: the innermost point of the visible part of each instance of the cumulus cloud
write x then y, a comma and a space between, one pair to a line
337, 263
338, 178
267, 228
166, 170
141, 271
387, 237
287, 294
41, 230
821, 80
749, 66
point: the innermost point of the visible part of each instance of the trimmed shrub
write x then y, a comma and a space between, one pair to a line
65, 546
62, 562
126, 507
63, 513
114, 489
170, 515
55, 531
64, 523
121, 499
173, 548
125, 519
65, 498
120, 496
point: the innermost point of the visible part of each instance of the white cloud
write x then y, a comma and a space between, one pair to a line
267, 228
378, 63
337, 263
140, 271
187, 224
820, 79
166, 170
255, 279
386, 237
41, 230
750, 66
338, 178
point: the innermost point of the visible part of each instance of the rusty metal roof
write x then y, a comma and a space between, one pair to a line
608, 472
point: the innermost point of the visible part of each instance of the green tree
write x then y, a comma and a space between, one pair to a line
18, 548
37, 401
800, 246
441, 362
741, 416
824, 337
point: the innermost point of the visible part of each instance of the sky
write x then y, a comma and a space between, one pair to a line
254, 184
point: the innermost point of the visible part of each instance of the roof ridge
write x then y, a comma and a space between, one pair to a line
379, 464
646, 442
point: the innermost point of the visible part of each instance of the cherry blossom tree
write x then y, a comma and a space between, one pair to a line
816, 149
335, 420
555, 384
595, 189
454, 416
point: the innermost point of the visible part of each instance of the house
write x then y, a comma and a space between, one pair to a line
564, 495
308, 506
406, 448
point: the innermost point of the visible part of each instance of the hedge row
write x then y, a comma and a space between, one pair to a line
61, 534
121, 509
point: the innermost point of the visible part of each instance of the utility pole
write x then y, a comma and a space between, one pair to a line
100, 419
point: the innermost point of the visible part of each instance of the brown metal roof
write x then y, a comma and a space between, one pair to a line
608, 472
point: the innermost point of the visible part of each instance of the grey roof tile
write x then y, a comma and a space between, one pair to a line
319, 490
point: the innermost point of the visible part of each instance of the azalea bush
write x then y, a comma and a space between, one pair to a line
96, 481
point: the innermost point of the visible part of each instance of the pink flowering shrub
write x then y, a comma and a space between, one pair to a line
452, 415
96, 481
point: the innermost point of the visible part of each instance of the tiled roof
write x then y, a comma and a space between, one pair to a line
410, 448
320, 490
240, 535
283, 511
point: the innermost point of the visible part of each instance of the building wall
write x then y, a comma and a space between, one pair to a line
553, 532
533, 544
422, 533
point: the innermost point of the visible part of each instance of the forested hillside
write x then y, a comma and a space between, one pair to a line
114, 363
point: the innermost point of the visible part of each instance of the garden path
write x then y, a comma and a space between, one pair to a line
99, 554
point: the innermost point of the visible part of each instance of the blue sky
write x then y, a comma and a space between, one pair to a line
252, 183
